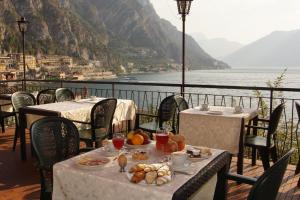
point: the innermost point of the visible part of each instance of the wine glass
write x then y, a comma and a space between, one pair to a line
118, 141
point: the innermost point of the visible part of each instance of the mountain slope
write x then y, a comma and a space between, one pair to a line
115, 32
216, 47
280, 48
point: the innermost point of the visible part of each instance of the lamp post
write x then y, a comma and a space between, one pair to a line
22, 24
183, 9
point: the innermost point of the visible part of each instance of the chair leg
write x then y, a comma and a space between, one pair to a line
274, 154
16, 138
253, 156
264, 154
298, 166
2, 124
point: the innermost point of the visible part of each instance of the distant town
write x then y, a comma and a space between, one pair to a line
64, 67
50, 67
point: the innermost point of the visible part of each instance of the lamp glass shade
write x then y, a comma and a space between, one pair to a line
184, 6
22, 24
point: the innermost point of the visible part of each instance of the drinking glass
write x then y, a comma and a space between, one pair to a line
118, 141
162, 138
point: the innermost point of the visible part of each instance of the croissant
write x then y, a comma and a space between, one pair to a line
150, 177
163, 171
136, 168
163, 180
152, 167
138, 177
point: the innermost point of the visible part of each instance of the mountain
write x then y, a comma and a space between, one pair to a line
278, 49
216, 47
114, 32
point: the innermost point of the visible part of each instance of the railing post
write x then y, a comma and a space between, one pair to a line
271, 101
182, 90
113, 89
61, 83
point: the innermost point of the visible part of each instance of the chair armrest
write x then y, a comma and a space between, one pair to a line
6, 104
81, 122
241, 179
263, 120
257, 127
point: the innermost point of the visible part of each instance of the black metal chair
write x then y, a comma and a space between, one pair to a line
267, 185
102, 115
266, 145
64, 94
182, 104
54, 139
19, 100
298, 165
166, 114
46, 96
4, 115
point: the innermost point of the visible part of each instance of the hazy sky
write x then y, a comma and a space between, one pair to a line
237, 20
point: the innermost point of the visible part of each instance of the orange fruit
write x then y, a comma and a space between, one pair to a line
130, 135
137, 139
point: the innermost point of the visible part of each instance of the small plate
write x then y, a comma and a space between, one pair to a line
91, 162
239, 112
215, 112
201, 109
186, 169
195, 159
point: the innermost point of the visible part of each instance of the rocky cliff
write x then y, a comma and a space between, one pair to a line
114, 31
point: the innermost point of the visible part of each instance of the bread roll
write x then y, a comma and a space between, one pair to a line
150, 177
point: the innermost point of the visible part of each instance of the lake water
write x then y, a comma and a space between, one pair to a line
241, 77
238, 77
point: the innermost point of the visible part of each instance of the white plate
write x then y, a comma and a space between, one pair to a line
195, 159
235, 112
215, 112
186, 168
201, 109
79, 164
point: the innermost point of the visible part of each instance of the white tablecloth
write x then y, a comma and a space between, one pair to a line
4, 107
107, 183
81, 111
214, 131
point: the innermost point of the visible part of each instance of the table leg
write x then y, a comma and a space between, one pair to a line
22, 124
240, 159
254, 151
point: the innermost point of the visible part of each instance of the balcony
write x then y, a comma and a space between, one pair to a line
20, 180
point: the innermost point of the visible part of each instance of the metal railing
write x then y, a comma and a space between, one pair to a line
148, 95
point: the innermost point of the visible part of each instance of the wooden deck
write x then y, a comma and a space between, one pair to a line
20, 180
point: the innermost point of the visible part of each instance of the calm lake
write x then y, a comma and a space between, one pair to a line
243, 77
239, 77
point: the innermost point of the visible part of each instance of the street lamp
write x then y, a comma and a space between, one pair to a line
183, 9
22, 24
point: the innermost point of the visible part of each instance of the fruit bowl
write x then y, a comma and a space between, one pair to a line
135, 146
137, 139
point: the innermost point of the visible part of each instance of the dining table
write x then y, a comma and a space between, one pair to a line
206, 179
5, 102
217, 127
78, 111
